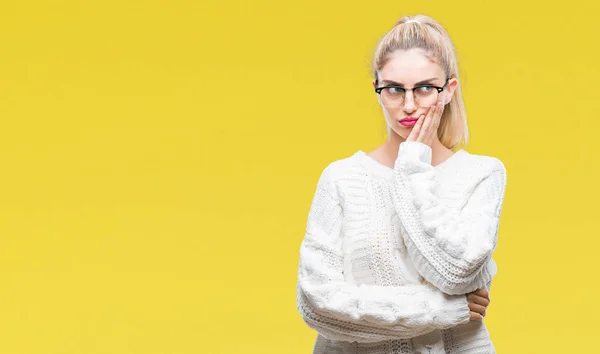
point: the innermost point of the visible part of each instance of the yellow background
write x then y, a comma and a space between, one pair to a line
159, 157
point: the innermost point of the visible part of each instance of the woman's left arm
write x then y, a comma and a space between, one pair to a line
450, 245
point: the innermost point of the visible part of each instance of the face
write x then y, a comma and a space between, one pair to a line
411, 68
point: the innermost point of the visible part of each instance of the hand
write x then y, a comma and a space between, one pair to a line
478, 302
425, 130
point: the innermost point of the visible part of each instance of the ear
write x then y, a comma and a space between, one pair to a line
452, 85
373, 82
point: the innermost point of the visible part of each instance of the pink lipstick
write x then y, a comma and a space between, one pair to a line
408, 121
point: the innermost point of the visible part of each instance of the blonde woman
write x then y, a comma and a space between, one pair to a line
397, 255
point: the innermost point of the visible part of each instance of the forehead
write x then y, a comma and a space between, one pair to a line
410, 66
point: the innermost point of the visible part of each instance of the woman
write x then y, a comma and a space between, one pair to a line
397, 255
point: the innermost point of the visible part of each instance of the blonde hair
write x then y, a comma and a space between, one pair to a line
421, 31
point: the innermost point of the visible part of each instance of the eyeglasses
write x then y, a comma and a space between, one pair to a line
424, 95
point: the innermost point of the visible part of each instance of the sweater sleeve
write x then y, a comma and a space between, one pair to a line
341, 310
451, 244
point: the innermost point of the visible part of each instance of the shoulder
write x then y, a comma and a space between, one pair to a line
341, 168
478, 169
470, 172
483, 164
334, 172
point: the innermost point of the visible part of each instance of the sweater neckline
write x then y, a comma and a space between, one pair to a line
386, 171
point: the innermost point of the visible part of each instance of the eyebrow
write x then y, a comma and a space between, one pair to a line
391, 82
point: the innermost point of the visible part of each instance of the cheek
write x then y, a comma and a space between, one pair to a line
391, 114
398, 129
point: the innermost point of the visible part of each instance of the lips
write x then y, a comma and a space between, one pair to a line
408, 121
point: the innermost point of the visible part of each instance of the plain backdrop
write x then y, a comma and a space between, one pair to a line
159, 158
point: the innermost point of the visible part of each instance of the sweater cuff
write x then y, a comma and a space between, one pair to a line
449, 310
415, 151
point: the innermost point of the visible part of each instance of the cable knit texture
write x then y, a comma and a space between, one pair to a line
389, 253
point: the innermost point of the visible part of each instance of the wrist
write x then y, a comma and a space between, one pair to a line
415, 151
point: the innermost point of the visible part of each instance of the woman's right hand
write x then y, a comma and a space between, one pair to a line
478, 302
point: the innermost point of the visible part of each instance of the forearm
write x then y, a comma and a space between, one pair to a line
450, 243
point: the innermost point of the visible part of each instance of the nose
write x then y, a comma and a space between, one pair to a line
409, 102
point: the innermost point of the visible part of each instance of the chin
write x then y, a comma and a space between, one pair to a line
402, 132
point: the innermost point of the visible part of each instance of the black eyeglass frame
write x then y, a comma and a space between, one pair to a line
438, 88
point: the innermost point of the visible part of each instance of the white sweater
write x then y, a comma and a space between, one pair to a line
389, 253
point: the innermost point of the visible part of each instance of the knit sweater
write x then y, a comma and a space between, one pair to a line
389, 253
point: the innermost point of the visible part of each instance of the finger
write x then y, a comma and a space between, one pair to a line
477, 308
483, 292
440, 106
427, 124
439, 111
475, 316
478, 299
414, 133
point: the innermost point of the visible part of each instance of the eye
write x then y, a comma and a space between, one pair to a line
395, 90
424, 89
